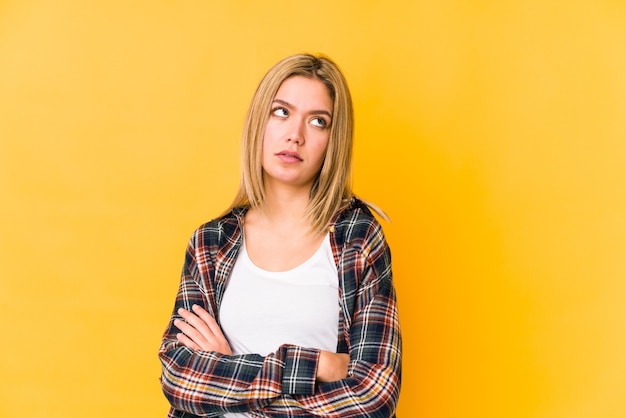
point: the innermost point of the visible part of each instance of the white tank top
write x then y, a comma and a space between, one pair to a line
262, 310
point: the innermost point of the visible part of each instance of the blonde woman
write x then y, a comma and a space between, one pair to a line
286, 306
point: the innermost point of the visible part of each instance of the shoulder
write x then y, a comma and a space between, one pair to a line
355, 219
218, 230
355, 226
360, 246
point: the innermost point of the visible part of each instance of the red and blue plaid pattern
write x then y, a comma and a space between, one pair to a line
282, 384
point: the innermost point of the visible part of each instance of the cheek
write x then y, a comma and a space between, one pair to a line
267, 138
324, 143
270, 134
320, 150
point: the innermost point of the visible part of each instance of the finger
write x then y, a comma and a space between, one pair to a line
187, 342
208, 320
190, 332
219, 341
198, 323
200, 332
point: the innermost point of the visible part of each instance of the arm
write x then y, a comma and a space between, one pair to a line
200, 332
209, 383
373, 383
332, 366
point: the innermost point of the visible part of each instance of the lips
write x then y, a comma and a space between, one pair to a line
289, 156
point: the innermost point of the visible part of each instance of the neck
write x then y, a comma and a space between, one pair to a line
285, 206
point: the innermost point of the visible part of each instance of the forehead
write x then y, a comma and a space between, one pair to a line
305, 92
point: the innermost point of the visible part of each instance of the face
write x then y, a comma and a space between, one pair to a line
297, 133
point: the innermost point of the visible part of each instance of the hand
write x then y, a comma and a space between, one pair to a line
332, 366
200, 331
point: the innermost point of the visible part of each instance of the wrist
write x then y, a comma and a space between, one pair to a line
332, 366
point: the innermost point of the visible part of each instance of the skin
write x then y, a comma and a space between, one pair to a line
278, 236
299, 123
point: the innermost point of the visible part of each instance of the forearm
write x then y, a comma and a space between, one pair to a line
208, 382
371, 390
372, 386
332, 366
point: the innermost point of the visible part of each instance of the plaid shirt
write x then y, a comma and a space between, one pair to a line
283, 384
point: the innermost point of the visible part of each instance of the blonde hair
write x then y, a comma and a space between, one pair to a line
333, 185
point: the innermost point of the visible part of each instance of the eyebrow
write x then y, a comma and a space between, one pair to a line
314, 112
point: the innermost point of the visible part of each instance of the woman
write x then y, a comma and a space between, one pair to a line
286, 305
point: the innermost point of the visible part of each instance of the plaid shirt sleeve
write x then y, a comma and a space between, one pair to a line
208, 383
371, 328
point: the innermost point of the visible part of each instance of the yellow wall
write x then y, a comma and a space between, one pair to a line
493, 132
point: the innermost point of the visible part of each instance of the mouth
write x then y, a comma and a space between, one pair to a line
289, 156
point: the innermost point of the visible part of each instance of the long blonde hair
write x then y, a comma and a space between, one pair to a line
333, 184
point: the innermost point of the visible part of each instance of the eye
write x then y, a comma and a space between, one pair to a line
281, 112
319, 122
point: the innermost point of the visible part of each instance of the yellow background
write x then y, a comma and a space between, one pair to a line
493, 132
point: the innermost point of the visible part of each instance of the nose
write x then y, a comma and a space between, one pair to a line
296, 132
